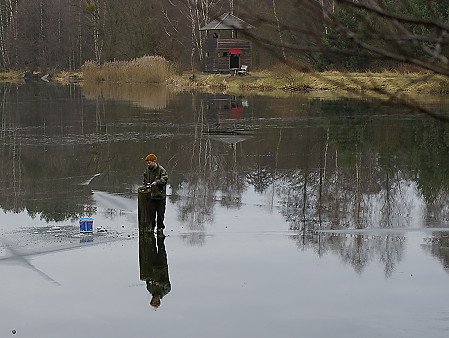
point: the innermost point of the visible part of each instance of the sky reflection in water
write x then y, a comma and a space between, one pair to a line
286, 217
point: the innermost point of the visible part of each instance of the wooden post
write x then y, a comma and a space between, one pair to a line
143, 209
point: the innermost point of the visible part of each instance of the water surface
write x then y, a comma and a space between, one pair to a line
298, 216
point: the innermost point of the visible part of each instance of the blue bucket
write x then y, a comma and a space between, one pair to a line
86, 224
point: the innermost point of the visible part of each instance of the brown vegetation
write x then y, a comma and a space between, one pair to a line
147, 69
296, 81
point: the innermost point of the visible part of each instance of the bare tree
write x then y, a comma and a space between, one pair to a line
198, 13
97, 12
279, 29
6, 13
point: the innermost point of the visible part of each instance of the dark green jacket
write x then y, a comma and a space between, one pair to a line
158, 174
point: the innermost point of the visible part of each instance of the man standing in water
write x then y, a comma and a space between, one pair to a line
155, 180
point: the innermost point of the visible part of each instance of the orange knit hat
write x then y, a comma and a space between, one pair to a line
151, 157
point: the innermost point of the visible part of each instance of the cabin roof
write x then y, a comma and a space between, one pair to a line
226, 21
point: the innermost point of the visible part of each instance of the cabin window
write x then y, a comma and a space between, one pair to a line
207, 54
225, 54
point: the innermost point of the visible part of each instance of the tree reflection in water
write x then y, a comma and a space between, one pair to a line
211, 177
438, 247
323, 164
357, 250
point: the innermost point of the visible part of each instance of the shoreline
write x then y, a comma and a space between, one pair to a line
281, 83
328, 81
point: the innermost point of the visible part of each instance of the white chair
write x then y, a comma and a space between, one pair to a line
243, 70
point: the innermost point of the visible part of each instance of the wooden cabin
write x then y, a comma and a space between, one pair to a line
224, 51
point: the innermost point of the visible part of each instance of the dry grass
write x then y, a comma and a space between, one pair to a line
146, 69
279, 78
293, 81
12, 76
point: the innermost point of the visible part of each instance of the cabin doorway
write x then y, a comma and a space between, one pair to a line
234, 61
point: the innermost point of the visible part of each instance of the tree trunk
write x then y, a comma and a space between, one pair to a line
279, 30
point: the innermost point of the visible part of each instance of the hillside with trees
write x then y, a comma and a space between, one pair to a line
350, 35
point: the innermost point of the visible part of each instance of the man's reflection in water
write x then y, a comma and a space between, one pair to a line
154, 267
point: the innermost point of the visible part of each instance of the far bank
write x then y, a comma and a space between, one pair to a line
275, 82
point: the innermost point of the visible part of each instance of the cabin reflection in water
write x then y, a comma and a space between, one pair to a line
223, 115
154, 267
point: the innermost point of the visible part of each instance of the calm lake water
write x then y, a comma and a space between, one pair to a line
303, 216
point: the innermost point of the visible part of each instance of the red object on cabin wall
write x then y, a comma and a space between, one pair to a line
235, 51
236, 113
